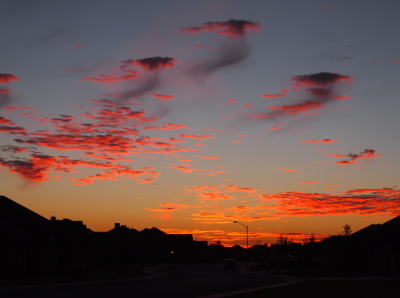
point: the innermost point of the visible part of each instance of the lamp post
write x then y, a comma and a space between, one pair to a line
247, 242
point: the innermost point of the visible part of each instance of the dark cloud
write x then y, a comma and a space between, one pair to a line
229, 52
7, 78
233, 28
150, 79
320, 90
367, 153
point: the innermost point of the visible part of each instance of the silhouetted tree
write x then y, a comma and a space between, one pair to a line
283, 240
309, 240
346, 230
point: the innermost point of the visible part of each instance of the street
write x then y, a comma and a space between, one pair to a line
177, 281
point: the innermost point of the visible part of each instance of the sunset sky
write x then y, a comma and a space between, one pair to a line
189, 115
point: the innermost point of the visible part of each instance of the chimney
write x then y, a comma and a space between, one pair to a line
117, 225
53, 218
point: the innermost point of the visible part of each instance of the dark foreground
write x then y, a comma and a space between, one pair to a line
330, 289
177, 281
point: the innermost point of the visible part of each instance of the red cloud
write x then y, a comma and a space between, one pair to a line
273, 95
289, 170
162, 97
197, 138
305, 106
17, 108
110, 79
341, 97
357, 201
232, 100
7, 78
209, 157
4, 90
151, 63
325, 141
232, 28
167, 126
319, 79
367, 153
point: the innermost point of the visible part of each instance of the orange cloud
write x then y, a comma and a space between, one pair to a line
356, 201
288, 170
186, 170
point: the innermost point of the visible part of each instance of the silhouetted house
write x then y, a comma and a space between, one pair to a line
32, 244
374, 249
24, 241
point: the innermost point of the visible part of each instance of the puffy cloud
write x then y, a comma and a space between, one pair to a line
151, 63
232, 28
319, 79
367, 153
7, 78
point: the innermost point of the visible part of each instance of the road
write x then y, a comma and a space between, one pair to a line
175, 281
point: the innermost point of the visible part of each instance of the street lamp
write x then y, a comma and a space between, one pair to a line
247, 241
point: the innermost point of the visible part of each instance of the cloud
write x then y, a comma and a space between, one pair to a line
232, 28
367, 153
4, 90
197, 137
288, 170
151, 63
145, 82
273, 95
356, 201
168, 126
319, 79
7, 78
228, 52
162, 97
186, 170
112, 79
320, 91
324, 141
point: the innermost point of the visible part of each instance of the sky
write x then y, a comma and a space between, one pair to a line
190, 115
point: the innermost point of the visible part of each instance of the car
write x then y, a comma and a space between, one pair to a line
230, 264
